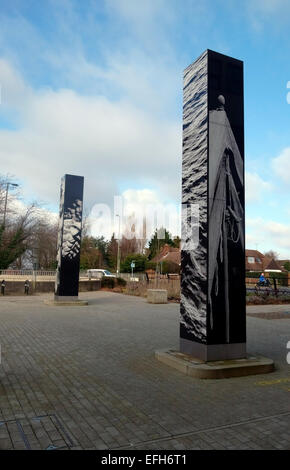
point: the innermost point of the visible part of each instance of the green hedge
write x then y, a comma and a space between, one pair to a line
253, 275
279, 275
167, 267
121, 282
150, 265
282, 278
139, 260
108, 282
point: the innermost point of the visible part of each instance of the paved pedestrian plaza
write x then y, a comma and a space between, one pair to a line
86, 378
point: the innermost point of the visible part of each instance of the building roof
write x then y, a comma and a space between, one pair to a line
282, 262
273, 265
261, 262
168, 253
258, 264
255, 253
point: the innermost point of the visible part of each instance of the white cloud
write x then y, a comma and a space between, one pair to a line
114, 57
17, 207
147, 203
281, 165
256, 187
109, 142
268, 235
13, 89
135, 206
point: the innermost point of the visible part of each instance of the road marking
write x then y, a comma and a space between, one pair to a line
272, 382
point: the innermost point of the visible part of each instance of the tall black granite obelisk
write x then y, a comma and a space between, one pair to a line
69, 238
213, 318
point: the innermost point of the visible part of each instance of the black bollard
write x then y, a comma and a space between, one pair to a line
3, 287
26, 287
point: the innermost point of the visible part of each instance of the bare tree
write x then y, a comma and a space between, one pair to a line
128, 247
272, 254
28, 236
43, 244
15, 236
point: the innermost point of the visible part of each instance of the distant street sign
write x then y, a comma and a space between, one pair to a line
132, 265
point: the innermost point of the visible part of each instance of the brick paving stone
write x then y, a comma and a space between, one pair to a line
94, 369
6, 444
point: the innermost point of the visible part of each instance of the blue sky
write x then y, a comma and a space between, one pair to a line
95, 88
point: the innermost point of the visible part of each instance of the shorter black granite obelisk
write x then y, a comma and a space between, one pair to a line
69, 238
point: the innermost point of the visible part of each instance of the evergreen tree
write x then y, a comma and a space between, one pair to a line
90, 256
287, 265
139, 260
177, 241
12, 247
102, 245
159, 239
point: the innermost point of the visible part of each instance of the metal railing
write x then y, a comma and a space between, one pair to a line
41, 273
30, 274
22, 274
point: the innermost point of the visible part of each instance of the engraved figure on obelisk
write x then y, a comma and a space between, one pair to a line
225, 206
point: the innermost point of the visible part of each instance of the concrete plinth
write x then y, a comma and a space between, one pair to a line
157, 296
193, 367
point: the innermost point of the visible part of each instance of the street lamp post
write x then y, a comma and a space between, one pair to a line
6, 198
118, 254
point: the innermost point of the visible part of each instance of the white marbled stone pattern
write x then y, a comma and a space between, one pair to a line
72, 228
60, 231
193, 307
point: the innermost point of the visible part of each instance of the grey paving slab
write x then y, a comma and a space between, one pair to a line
93, 369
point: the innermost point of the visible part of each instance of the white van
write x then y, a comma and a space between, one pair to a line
99, 273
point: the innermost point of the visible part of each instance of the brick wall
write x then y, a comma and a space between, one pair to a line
17, 287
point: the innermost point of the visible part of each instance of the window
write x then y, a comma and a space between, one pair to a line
251, 259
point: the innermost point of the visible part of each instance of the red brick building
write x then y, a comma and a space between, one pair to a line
168, 253
256, 261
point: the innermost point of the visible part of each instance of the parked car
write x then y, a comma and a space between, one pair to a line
99, 273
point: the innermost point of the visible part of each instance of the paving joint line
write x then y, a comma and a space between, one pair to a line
200, 431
